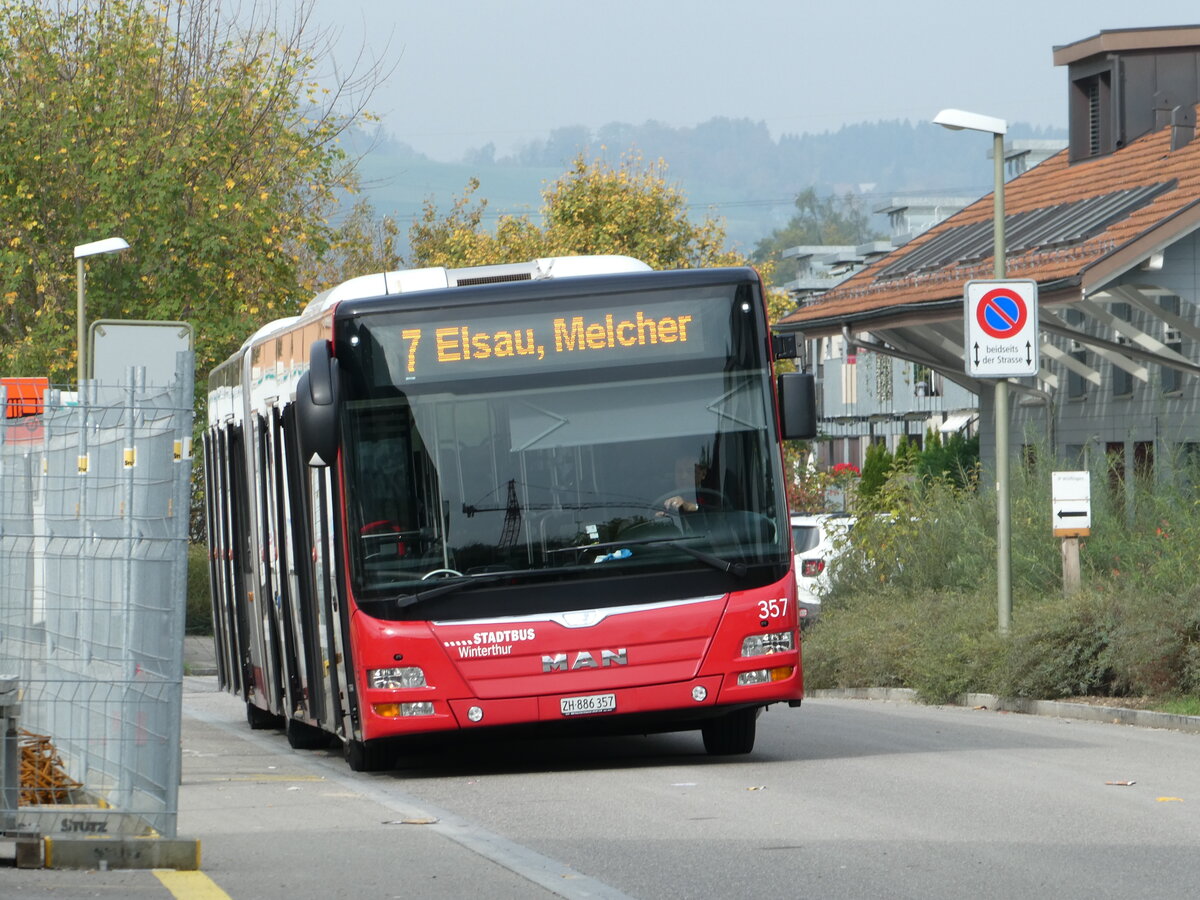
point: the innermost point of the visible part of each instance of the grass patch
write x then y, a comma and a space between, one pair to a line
1180, 706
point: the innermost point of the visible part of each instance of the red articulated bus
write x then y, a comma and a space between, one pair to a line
541, 494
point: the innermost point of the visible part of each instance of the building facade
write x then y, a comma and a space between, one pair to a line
1107, 229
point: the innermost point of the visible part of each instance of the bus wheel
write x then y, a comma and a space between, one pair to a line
732, 733
258, 718
302, 736
367, 756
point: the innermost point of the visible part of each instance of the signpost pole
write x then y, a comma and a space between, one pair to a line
1003, 525
1002, 316
108, 245
1072, 580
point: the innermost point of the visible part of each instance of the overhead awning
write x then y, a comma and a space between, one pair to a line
956, 422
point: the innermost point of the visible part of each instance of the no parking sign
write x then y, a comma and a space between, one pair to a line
1001, 328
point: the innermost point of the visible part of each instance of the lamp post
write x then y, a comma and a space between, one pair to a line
108, 245
957, 120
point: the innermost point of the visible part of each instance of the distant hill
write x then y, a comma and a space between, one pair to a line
729, 168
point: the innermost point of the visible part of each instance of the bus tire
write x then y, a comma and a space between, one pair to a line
302, 736
366, 756
258, 718
732, 733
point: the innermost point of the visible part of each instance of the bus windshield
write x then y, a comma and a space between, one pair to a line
622, 435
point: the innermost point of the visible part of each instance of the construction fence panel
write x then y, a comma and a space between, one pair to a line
94, 495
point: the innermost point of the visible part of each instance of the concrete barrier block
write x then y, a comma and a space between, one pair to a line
121, 853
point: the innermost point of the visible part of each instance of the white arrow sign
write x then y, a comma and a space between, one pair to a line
1071, 504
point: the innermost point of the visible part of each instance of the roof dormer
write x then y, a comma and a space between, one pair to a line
1125, 83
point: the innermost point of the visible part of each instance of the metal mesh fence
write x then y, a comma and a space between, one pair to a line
94, 496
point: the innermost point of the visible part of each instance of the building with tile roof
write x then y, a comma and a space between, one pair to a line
1107, 228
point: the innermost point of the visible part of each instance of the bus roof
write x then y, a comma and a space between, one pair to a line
406, 281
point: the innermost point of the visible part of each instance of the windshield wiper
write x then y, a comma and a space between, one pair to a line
725, 565
737, 569
453, 585
448, 587
608, 545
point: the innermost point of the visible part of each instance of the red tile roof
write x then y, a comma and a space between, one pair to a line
1146, 161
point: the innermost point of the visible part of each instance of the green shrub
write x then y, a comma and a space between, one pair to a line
912, 601
1156, 648
869, 644
876, 466
960, 649
1060, 647
941, 645
199, 604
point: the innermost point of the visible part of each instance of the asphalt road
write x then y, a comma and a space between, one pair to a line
842, 799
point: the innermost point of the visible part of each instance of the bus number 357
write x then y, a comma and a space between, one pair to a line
772, 609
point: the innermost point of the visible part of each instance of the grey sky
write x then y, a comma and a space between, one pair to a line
509, 71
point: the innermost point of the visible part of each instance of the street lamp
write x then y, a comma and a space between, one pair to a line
957, 120
95, 248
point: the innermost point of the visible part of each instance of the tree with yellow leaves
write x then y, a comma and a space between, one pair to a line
197, 134
594, 208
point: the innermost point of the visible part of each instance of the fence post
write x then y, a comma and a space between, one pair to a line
84, 607
130, 694
182, 396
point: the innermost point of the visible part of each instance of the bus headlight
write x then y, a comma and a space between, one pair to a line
771, 642
763, 676
388, 679
392, 710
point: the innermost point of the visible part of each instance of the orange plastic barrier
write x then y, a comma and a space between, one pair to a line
25, 396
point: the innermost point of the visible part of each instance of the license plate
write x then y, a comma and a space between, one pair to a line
581, 706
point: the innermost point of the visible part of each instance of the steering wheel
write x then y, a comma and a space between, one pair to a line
717, 497
677, 517
442, 573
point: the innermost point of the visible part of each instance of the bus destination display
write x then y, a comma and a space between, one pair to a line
478, 346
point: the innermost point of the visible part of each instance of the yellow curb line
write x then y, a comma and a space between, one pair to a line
190, 885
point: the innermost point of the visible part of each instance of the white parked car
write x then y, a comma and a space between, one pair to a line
816, 541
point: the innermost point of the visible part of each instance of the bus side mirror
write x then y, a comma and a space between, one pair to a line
317, 401
797, 405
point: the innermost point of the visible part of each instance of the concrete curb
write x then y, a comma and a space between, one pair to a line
1117, 715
